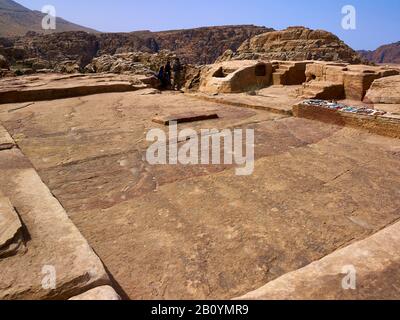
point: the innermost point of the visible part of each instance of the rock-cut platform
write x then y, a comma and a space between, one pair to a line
56, 86
42, 253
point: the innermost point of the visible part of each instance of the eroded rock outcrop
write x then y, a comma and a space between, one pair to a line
131, 62
296, 44
236, 77
78, 46
385, 90
194, 46
56, 86
11, 237
146, 65
205, 45
327, 80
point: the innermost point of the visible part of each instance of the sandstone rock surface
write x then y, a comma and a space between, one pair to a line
385, 90
132, 62
202, 232
78, 46
6, 142
194, 46
58, 262
355, 80
104, 293
295, 43
236, 77
373, 262
274, 99
380, 124
58, 86
11, 238
289, 72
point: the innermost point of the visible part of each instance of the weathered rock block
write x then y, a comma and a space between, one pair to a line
335, 73
289, 72
6, 142
11, 237
356, 79
357, 84
236, 77
104, 293
385, 90
58, 262
56, 86
325, 90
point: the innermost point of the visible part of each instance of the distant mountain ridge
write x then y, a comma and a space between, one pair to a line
17, 20
389, 53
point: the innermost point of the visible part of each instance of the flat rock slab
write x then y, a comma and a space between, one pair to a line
275, 99
58, 263
201, 232
10, 229
373, 263
6, 142
50, 87
104, 293
185, 118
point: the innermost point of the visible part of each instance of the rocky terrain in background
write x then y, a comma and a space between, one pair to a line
132, 62
295, 44
145, 64
16, 20
38, 51
142, 52
389, 53
194, 46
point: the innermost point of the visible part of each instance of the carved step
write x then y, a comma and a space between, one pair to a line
322, 90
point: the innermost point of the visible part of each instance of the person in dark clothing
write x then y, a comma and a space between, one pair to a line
161, 76
167, 73
177, 72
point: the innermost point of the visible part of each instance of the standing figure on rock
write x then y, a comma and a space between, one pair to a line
177, 72
161, 77
167, 74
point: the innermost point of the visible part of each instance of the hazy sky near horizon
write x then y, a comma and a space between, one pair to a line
378, 22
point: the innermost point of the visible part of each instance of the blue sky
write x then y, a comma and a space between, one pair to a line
378, 22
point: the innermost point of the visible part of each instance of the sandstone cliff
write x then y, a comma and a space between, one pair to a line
294, 43
194, 46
